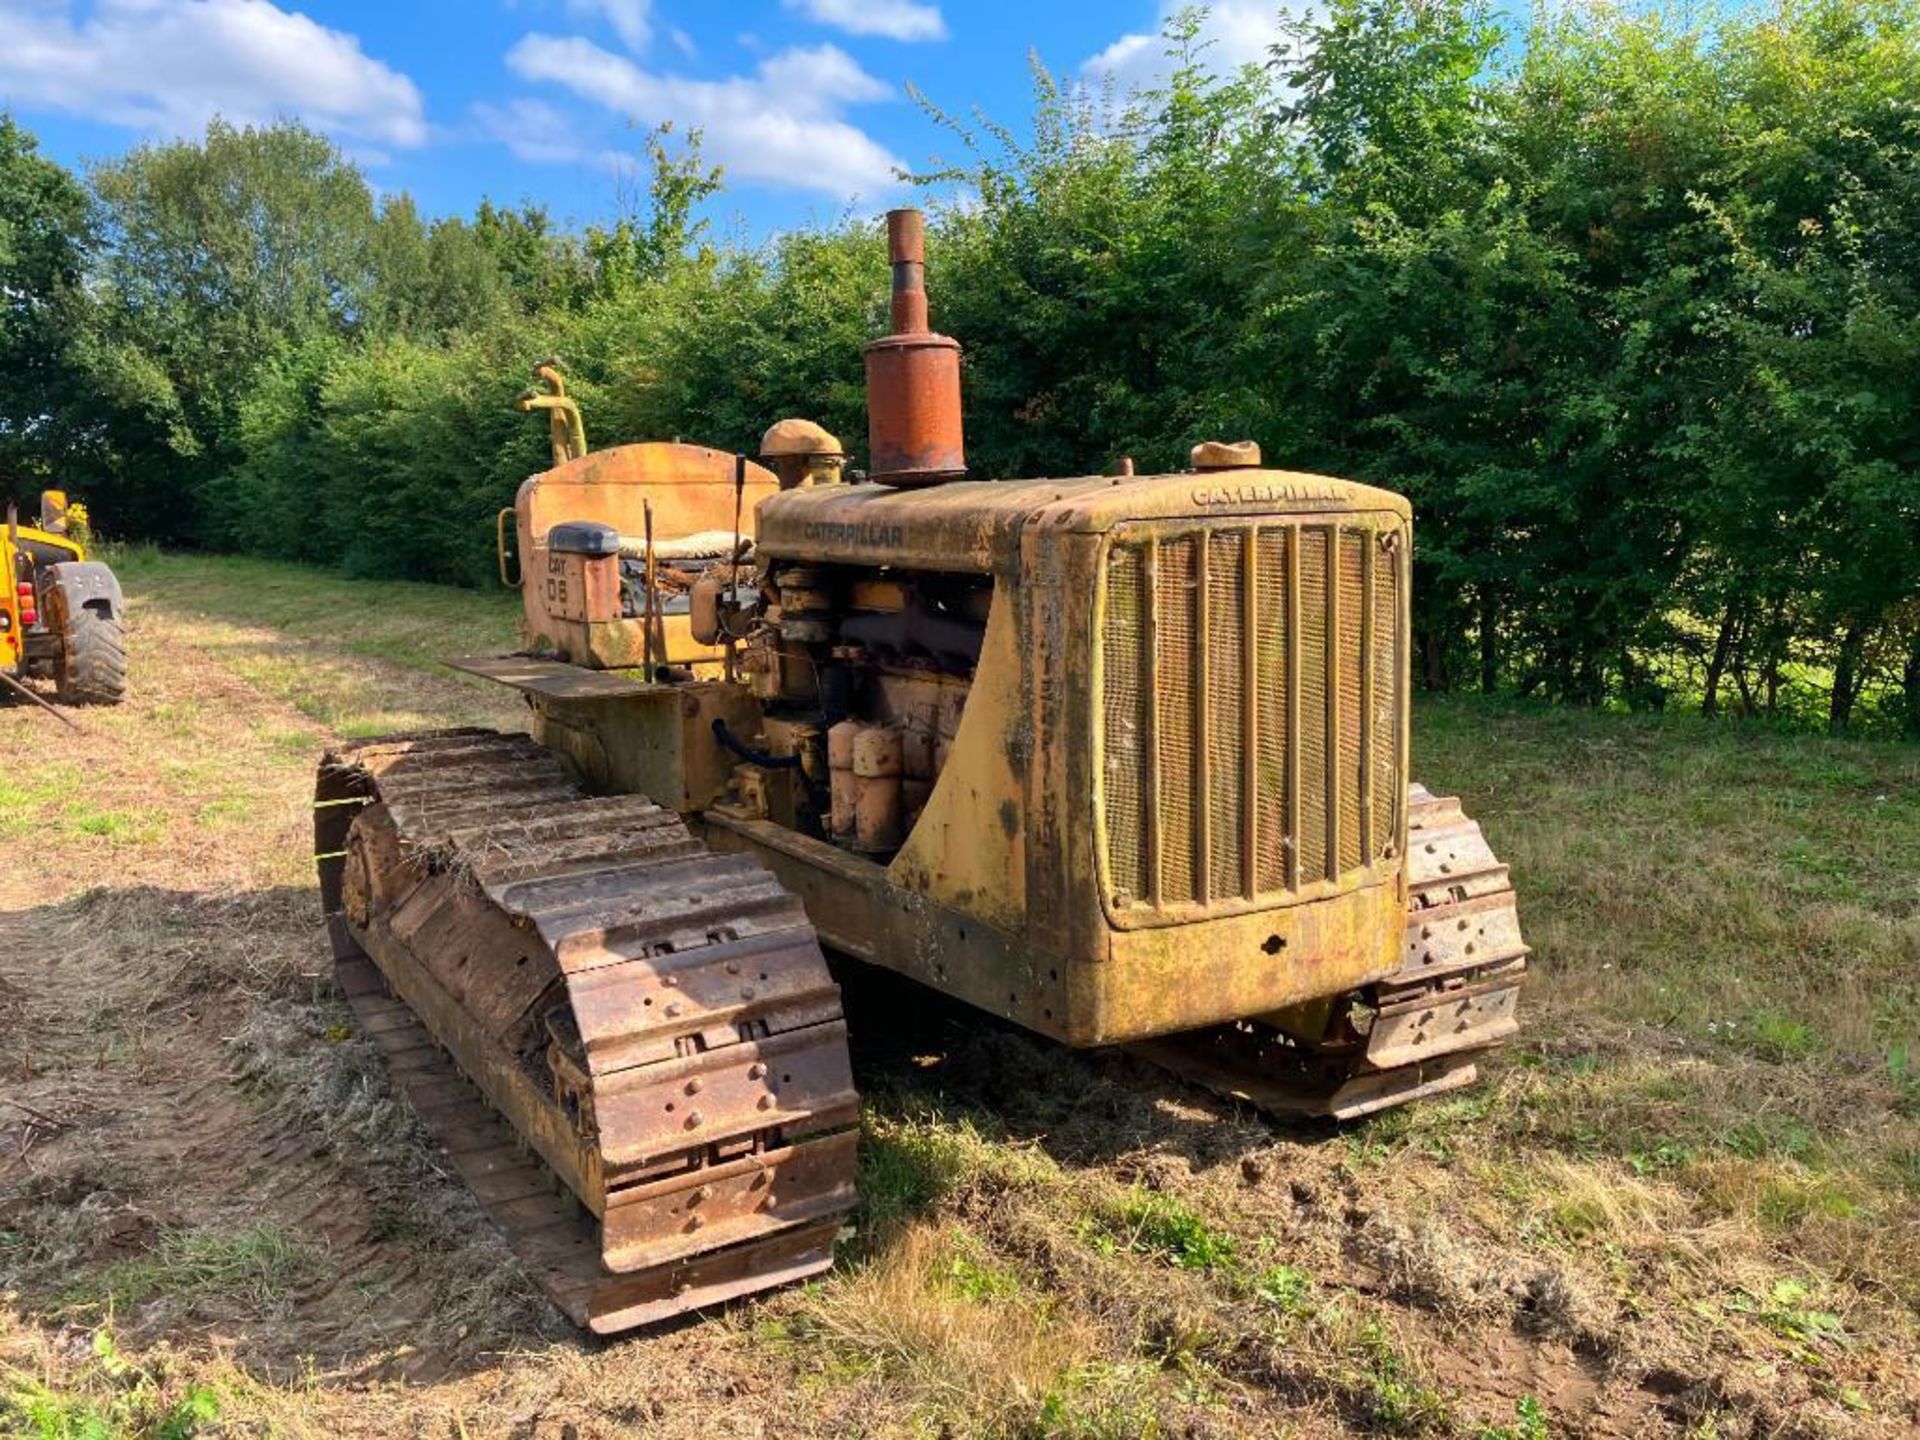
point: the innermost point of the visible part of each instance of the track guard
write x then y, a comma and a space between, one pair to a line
1417, 1033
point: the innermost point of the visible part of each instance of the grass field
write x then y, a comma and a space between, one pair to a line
1686, 1202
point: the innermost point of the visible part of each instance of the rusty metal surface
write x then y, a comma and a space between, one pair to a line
551, 678
567, 431
655, 1022
1414, 1034
976, 526
691, 490
1253, 711
914, 433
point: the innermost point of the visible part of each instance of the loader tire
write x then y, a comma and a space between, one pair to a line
92, 665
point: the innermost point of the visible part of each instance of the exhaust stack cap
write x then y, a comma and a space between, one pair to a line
1226, 455
914, 434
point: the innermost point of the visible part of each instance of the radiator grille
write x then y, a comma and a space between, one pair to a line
1250, 709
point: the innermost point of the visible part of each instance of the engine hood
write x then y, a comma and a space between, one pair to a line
974, 526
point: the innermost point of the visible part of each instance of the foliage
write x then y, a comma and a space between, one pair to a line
647, 247
117, 1398
1153, 1224
1626, 301
46, 234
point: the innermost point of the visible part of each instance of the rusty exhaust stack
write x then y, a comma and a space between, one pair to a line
913, 376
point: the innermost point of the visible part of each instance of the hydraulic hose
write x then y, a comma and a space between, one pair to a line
747, 753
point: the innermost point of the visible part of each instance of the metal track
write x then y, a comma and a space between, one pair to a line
573, 989
1415, 1034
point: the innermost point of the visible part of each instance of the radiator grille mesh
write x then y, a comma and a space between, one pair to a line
1270, 598
1312, 838
1173, 691
1388, 787
1216, 638
1350, 664
1127, 724
1226, 701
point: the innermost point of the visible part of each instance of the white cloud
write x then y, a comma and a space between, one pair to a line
779, 126
893, 19
632, 20
532, 129
1235, 33
819, 80
172, 65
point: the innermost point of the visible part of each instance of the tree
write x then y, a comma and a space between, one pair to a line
1627, 302
220, 255
46, 240
644, 247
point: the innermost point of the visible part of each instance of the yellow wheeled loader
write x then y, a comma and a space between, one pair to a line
1118, 758
61, 615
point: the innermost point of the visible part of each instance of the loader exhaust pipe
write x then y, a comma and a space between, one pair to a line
914, 432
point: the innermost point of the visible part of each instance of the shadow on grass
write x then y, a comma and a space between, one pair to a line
915, 1049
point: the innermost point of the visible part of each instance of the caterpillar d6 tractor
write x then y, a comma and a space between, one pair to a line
1121, 759
61, 614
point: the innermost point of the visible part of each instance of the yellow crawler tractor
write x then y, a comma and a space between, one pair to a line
1119, 758
61, 614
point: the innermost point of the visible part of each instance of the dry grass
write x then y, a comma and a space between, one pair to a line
338, 651
950, 1330
1686, 1202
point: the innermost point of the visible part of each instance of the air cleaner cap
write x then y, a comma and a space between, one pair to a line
1226, 455
802, 453
797, 437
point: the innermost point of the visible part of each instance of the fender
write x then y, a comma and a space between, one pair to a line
88, 584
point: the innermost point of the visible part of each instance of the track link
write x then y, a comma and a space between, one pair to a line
1416, 1033
572, 988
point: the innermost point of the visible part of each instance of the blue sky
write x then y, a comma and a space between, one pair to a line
803, 101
